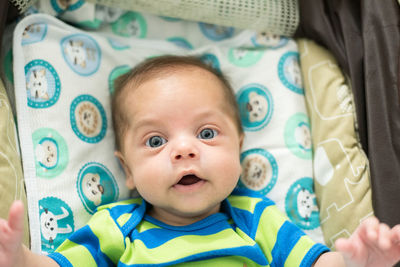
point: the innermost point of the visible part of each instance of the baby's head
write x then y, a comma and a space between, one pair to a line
157, 67
178, 136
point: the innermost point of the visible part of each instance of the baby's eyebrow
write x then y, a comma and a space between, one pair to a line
146, 122
209, 113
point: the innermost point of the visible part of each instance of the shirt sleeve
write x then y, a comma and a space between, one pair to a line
91, 245
283, 243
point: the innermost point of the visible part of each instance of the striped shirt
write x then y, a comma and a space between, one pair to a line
249, 231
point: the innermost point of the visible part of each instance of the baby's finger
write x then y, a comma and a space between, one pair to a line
384, 240
349, 250
370, 229
16, 216
395, 235
345, 246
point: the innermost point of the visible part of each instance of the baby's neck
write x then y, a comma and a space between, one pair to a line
177, 219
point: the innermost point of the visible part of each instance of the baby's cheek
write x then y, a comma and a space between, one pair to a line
229, 165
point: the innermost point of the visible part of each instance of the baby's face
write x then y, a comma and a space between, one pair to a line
181, 149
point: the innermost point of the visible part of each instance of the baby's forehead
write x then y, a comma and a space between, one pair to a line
178, 72
183, 70
186, 82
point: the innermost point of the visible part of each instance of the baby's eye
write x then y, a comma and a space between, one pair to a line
207, 133
155, 141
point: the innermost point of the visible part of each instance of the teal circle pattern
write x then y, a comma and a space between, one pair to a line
301, 204
82, 53
51, 153
170, 19
260, 170
43, 84
256, 106
244, 57
289, 72
131, 24
96, 186
181, 42
59, 8
34, 33
117, 45
56, 222
264, 40
88, 119
216, 32
211, 60
115, 73
297, 135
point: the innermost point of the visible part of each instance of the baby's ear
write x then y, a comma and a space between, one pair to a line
241, 138
128, 173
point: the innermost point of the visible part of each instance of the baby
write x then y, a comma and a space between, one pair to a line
178, 138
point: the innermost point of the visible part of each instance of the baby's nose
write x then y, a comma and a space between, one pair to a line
184, 149
184, 155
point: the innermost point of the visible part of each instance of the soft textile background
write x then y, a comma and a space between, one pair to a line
64, 80
341, 170
11, 179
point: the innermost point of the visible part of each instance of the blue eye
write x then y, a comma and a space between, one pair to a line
155, 141
207, 133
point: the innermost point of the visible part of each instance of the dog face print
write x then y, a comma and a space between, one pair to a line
108, 14
267, 39
257, 107
255, 172
37, 85
31, 29
75, 51
47, 153
92, 187
49, 224
294, 73
88, 119
132, 28
306, 203
303, 136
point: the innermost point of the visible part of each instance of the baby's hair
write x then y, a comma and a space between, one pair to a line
154, 68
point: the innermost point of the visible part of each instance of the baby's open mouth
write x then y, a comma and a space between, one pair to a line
189, 179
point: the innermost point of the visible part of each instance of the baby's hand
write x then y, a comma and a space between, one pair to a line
372, 244
11, 233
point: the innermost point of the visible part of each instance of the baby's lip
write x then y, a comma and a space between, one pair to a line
189, 179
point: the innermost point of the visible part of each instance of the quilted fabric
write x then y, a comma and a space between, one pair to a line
341, 168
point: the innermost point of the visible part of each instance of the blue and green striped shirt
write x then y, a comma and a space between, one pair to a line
249, 231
